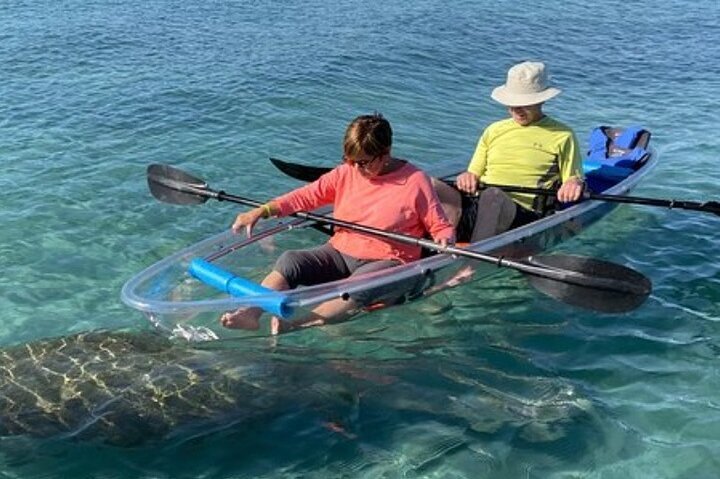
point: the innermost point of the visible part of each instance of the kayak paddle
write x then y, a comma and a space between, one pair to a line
312, 173
576, 280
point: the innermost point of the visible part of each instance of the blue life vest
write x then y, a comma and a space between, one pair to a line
613, 155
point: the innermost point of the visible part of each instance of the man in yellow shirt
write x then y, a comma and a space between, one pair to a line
528, 149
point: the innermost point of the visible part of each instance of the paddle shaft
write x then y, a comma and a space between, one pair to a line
711, 207
584, 282
557, 274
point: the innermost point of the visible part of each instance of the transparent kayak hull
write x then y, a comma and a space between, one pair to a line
176, 301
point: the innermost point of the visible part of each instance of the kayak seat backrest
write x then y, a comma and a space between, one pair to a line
614, 154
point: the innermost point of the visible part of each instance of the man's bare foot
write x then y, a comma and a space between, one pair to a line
462, 276
243, 318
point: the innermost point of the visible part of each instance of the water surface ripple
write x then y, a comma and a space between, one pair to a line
489, 380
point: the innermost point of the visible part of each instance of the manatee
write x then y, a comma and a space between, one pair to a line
132, 388
129, 388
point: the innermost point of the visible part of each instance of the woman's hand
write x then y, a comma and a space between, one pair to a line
248, 220
467, 182
445, 242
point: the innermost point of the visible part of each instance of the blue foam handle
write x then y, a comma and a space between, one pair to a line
216, 277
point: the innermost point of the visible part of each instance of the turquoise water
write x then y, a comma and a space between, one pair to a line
491, 380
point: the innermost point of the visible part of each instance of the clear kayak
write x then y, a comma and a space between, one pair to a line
175, 300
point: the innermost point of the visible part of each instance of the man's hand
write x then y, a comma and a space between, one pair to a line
467, 182
571, 190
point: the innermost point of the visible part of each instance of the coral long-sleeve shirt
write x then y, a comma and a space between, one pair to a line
402, 201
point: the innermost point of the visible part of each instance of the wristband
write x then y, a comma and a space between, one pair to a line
267, 212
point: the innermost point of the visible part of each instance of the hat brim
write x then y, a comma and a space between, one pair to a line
504, 97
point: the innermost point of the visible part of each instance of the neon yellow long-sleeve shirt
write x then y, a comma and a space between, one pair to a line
536, 155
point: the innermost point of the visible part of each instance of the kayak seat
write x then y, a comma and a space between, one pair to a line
613, 154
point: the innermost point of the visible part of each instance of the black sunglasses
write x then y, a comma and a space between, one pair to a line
363, 164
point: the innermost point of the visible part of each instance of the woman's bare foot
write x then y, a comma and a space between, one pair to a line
243, 318
279, 326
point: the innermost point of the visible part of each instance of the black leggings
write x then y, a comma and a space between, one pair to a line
493, 200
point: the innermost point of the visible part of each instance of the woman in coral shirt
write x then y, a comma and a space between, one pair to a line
371, 188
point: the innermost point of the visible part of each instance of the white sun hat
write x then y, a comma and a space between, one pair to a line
526, 85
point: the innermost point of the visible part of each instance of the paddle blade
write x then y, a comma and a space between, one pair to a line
711, 206
300, 172
599, 286
172, 185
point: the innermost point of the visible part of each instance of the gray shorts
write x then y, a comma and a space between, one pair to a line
323, 264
